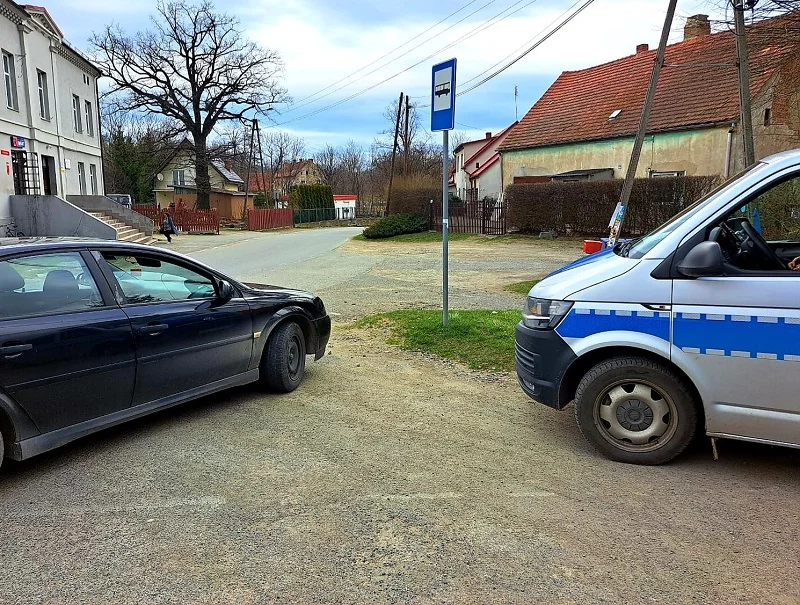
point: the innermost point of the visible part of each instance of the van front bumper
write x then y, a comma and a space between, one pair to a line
542, 359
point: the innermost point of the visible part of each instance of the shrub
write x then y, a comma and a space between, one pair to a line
585, 207
260, 200
303, 197
413, 194
396, 224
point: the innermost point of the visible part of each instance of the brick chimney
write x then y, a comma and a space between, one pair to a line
228, 164
696, 26
642, 48
488, 135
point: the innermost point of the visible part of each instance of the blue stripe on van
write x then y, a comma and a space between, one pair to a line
580, 323
747, 336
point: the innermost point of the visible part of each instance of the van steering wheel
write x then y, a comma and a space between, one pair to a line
770, 258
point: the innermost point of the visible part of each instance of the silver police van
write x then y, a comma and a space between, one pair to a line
695, 326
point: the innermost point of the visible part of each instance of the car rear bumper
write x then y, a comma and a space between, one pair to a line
542, 358
322, 326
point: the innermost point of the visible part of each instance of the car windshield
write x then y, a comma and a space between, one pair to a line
640, 247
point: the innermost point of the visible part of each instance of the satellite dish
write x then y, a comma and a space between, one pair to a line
160, 176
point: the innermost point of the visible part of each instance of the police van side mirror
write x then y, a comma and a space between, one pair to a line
704, 260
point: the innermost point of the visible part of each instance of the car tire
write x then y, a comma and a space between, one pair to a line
635, 410
283, 363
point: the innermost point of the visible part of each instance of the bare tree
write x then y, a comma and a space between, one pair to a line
194, 67
352, 169
329, 163
283, 152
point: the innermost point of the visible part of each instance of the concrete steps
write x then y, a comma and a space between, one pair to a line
125, 233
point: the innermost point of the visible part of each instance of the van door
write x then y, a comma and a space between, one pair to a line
740, 335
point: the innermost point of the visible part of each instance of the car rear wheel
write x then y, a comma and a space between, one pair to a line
635, 410
284, 362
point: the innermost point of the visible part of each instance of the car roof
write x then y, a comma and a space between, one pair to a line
15, 245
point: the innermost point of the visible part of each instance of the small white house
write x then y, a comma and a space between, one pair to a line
345, 206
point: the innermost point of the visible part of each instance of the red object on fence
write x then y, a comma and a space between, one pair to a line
186, 219
268, 218
590, 246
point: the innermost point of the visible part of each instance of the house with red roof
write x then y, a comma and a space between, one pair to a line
583, 127
477, 173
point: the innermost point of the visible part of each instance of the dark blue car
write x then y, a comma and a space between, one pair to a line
95, 332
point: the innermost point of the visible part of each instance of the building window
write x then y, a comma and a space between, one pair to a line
82, 178
654, 174
44, 98
76, 113
767, 116
178, 178
10, 79
89, 119
93, 178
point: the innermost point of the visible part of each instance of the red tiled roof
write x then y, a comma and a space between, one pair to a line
489, 142
490, 162
698, 86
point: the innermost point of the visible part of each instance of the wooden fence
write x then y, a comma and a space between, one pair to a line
185, 219
481, 218
268, 218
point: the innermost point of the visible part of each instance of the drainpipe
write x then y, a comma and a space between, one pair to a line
728, 150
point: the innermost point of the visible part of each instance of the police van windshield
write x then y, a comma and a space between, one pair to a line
642, 246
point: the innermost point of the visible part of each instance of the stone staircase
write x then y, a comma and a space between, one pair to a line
125, 233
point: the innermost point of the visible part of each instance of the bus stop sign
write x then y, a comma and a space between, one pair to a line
443, 96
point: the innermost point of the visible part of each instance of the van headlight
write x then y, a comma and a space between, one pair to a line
543, 314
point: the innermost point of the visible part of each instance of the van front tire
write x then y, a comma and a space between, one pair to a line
635, 410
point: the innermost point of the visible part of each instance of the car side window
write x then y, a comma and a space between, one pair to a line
46, 284
145, 279
775, 213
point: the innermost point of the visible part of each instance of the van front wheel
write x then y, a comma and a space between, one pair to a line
635, 410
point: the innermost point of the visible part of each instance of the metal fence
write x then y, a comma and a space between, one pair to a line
481, 218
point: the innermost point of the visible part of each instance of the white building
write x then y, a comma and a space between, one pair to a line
345, 206
478, 173
49, 126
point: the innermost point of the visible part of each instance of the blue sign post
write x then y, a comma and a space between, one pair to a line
443, 117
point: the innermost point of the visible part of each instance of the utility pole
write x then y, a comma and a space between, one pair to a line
394, 150
744, 82
249, 167
516, 111
627, 186
405, 138
261, 163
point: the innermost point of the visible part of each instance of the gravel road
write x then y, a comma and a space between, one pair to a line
392, 477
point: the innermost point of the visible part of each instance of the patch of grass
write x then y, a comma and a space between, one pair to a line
521, 287
483, 340
419, 238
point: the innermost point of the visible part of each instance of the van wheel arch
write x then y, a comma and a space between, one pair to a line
579, 368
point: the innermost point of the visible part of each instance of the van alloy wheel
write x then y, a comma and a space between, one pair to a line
636, 410
635, 416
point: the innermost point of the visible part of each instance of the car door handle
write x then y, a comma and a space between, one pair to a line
154, 328
12, 351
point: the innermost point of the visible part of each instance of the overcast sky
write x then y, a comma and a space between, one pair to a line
324, 41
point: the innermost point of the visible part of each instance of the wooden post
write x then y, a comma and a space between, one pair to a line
249, 166
394, 151
627, 186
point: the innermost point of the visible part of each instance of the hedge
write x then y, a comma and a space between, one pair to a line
303, 197
585, 207
413, 195
396, 224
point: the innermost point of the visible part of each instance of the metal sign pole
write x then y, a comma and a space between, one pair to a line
443, 117
445, 222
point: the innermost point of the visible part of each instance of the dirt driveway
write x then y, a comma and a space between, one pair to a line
390, 477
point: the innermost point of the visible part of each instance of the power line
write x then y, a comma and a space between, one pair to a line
298, 105
528, 50
469, 34
422, 33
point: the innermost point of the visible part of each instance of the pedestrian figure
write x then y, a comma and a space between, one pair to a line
167, 226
